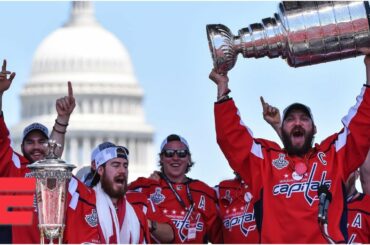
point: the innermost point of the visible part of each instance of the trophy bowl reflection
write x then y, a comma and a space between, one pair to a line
52, 175
302, 33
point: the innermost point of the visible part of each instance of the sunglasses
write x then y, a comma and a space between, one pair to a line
171, 153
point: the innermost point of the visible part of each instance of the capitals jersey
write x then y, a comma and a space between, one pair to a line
290, 200
236, 210
359, 219
81, 219
197, 224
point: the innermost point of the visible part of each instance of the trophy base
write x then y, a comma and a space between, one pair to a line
51, 232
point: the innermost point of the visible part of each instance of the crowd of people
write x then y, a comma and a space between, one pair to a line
302, 193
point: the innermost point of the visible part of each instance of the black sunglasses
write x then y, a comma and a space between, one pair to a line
171, 153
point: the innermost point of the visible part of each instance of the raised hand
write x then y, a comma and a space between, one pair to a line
66, 104
5, 81
222, 81
271, 115
155, 176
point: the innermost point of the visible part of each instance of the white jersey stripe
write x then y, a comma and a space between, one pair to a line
346, 120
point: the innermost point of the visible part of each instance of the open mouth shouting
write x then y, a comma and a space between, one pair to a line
298, 136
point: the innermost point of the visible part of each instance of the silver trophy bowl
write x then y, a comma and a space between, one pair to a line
303, 33
52, 175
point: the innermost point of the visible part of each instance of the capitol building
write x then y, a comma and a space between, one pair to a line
108, 96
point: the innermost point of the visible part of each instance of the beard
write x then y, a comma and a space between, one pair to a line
297, 150
107, 185
28, 156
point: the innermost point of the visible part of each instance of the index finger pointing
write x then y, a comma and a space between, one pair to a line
262, 100
3, 68
70, 89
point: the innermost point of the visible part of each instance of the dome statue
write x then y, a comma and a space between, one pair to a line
108, 96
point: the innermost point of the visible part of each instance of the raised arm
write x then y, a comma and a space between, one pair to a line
5, 82
64, 107
365, 167
272, 116
10, 162
234, 138
357, 128
222, 82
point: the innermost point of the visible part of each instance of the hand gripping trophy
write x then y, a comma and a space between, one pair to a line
302, 33
52, 175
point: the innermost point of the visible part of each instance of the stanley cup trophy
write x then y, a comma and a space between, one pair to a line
303, 33
52, 175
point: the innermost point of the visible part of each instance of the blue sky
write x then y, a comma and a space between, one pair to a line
168, 47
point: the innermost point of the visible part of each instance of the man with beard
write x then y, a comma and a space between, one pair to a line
160, 227
358, 204
119, 221
13, 164
289, 178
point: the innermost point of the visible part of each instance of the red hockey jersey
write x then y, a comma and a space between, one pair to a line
236, 209
359, 219
199, 223
290, 201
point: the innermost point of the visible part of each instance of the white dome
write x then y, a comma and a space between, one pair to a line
108, 97
82, 51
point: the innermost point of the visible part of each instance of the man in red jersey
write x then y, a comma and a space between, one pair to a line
190, 204
237, 211
13, 164
289, 178
118, 220
160, 227
358, 204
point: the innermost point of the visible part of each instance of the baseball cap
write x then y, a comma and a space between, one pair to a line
297, 106
174, 137
109, 153
99, 148
35, 126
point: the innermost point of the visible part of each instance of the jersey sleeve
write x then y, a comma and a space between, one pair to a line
354, 140
142, 185
236, 141
81, 214
11, 163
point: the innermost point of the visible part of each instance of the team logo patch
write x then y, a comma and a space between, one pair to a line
281, 162
157, 197
227, 199
92, 219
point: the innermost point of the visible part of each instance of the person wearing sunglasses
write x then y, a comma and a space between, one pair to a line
190, 204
